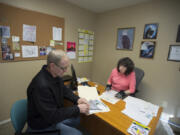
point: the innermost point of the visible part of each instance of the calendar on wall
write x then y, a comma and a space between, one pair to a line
86, 42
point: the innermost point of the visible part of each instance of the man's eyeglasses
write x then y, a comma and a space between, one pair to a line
62, 68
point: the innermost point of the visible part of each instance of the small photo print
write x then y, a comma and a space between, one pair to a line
7, 56
49, 49
147, 49
42, 50
125, 38
6, 48
150, 31
4, 41
6, 53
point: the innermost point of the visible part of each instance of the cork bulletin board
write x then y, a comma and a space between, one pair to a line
12, 44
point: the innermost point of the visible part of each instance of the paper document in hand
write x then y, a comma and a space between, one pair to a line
109, 96
89, 93
97, 106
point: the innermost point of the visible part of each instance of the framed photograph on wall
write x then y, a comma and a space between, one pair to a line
147, 49
125, 38
178, 34
150, 31
174, 53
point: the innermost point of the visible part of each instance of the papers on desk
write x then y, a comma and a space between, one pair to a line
80, 80
109, 96
91, 94
140, 110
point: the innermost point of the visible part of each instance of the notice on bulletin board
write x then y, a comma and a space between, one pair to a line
71, 50
29, 51
57, 34
29, 33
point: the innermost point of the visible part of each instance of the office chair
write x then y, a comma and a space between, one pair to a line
18, 116
139, 76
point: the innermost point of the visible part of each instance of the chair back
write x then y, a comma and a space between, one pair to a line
18, 115
139, 76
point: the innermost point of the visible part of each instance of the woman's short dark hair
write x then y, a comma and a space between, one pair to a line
126, 62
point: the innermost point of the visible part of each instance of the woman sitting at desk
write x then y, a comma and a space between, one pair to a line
122, 78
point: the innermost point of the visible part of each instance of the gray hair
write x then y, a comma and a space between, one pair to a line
55, 56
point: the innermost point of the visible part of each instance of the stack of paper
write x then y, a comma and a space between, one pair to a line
109, 96
80, 80
91, 94
140, 110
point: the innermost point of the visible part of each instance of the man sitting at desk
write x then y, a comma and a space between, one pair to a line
46, 93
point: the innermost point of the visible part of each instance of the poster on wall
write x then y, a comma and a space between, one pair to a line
5, 31
71, 50
125, 38
150, 31
147, 49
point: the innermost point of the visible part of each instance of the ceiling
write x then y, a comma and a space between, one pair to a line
100, 6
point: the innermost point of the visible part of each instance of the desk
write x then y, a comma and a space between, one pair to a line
113, 122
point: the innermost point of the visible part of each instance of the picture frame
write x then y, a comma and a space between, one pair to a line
178, 34
174, 53
147, 49
125, 38
150, 31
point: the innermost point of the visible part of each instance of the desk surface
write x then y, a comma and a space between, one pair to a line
118, 120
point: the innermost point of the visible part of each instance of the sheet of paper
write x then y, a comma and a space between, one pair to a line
90, 48
91, 42
15, 38
135, 114
52, 43
142, 105
97, 106
80, 59
81, 41
81, 35
90, 53
85, 59
81, 53
109, 96
140, 110
29, 33
81, 47
89, 93
89, 58
5, 31
16, 46
48, 49
91, 37
57, 34
71, 55
17, 54
29, 51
